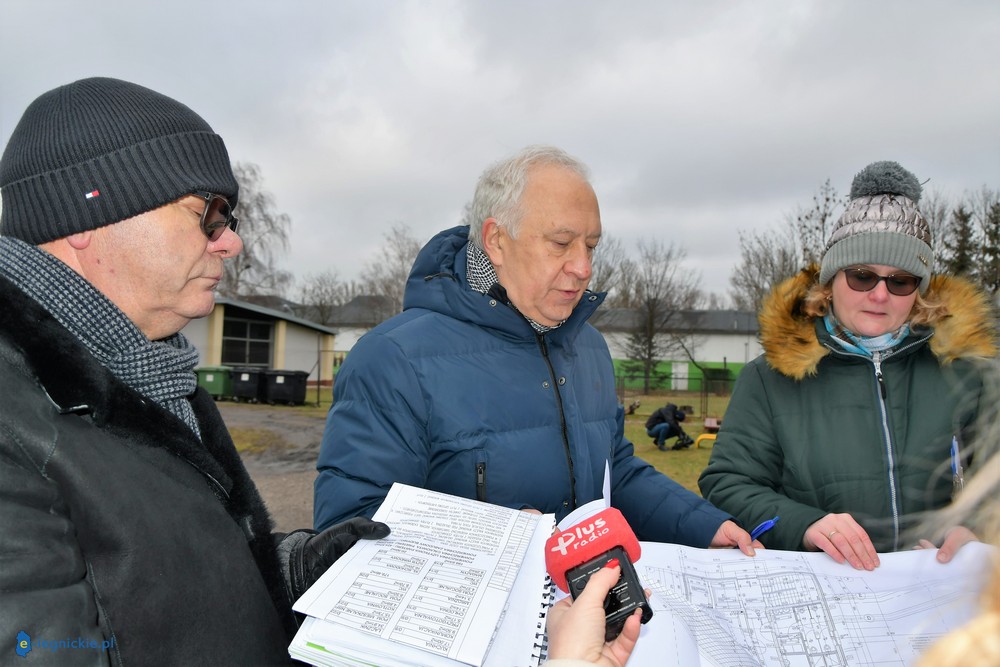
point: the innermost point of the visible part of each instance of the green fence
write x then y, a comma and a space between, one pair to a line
711, 379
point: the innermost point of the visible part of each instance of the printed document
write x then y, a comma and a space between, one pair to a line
463, 582
435, 590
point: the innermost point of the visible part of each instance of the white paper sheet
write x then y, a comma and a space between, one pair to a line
433, 585
436, 591
719, 607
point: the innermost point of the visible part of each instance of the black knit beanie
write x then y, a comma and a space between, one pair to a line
98, 151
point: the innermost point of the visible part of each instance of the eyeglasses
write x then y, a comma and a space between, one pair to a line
863, 280
217, 216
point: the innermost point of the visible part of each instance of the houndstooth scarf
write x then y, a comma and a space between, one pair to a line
163, 370
483, 278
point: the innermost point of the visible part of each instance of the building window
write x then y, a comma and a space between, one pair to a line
247, 342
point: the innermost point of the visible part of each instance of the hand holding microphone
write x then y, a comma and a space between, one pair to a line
573, 555
576, 631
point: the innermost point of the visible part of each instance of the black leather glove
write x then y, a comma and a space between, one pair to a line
305, 555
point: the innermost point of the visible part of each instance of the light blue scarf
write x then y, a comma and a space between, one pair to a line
866, 345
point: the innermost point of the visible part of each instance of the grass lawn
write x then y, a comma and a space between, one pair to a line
683, 466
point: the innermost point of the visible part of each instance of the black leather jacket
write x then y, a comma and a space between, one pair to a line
117, 525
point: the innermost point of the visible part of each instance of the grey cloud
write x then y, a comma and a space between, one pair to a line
698, 119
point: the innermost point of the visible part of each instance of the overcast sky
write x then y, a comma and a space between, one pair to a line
698, 119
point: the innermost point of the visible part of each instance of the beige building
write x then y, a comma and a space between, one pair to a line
245, 335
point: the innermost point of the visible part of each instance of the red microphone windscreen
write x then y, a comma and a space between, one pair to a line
588, 539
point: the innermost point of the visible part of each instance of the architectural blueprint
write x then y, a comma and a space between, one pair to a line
718, 607
460, 582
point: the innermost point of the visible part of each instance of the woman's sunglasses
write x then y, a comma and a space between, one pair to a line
217, 216
863, 280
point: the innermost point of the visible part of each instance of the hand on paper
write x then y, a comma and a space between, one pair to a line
843, 538
954, 540
576, 627
731, 535
306, 555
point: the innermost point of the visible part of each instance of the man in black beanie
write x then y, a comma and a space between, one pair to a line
129, 523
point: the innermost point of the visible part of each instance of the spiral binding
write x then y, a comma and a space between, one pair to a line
540, 650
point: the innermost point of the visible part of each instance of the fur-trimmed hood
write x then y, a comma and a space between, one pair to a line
788, 335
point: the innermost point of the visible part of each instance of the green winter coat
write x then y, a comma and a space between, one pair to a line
813, 429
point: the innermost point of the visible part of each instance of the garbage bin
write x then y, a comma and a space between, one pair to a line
285, 387
247, 384
216, 381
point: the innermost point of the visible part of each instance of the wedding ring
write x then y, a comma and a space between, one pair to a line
832, 533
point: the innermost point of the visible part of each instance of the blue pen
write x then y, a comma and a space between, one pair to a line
957, 472
763, 528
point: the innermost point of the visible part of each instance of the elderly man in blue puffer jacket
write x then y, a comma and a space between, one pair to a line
491, 384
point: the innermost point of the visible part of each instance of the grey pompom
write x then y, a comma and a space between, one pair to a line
885, 177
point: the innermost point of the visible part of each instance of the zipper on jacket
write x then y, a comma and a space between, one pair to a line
878, 375
481, 481
887, 436
562, 417
876, 359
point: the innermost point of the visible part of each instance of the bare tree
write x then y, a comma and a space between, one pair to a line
322, 293
814, 224
936, 210
663, 288
264, 233
981, 203
625, 292
607, 266
386, 274
766, 258
715, 301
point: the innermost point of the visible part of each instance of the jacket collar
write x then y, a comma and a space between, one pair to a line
438, 282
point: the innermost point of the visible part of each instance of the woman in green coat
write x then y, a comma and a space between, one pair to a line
851, 423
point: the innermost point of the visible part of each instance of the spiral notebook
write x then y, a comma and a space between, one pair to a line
458, 582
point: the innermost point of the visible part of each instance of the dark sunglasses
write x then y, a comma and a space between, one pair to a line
863, 280
217, 216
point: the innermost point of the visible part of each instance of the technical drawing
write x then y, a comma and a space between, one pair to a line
794, 610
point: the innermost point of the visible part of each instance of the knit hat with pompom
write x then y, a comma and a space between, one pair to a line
881, 225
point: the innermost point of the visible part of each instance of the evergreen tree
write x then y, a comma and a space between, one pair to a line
989, 262
958, 255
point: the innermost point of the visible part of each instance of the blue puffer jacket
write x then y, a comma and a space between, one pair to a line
459, 394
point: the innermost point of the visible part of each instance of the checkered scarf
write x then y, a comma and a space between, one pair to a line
162, 371
483, 279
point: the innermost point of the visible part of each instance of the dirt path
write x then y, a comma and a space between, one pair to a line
283, 472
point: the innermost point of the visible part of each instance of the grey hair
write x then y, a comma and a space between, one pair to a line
500, 187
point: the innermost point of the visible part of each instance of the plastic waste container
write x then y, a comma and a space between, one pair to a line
285, 387
216, 381
247, 385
